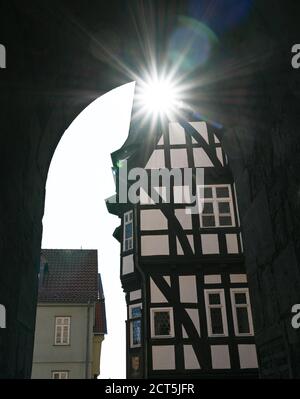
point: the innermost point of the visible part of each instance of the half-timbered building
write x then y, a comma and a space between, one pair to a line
188, 304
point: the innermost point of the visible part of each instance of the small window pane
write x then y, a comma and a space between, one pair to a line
162, 323
225, 221
208, 221
222, 192
207, 192
214, 299
224, 207
128, 230
216, 321
136, 312
242, 320
136, 332
208, 208
240, 298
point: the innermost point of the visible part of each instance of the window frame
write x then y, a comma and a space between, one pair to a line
60, 372
152, 325
214, 200
222, 306
125, 223
234, 306
56, 342
131, 321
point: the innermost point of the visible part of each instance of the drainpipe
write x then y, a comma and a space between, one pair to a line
87, 354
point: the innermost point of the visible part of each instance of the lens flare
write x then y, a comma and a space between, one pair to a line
191, 44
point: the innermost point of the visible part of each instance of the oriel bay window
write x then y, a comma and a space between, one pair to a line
128, 231
241, 310
216, 313
62, 330
135, 320
162, 323
217, 207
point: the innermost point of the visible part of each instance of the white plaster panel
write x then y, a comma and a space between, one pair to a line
184, 334
241, 241
220, 155
248, 357
213, 279
182, 194
179, 158
201, 159
127, 264
179, 247
201, 128
168, 280
161, 140
238, 278
156, 160
163, 357
144, 198
133, 295
184, 218
194, 315
155, 245
156, 295
153, 219
188, 289
210, 244
232, 244
220, 357
190, 359
177, 133
162, 192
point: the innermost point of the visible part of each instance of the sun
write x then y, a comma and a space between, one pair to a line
158, 97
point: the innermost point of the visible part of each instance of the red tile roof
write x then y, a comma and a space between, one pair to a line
68, 276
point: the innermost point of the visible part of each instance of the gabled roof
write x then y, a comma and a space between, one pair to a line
68, 275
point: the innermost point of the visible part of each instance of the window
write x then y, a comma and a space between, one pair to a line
60, 375
128, 231
216, 313
217, 207
135, 316
162, 324
241, 310
62, 330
